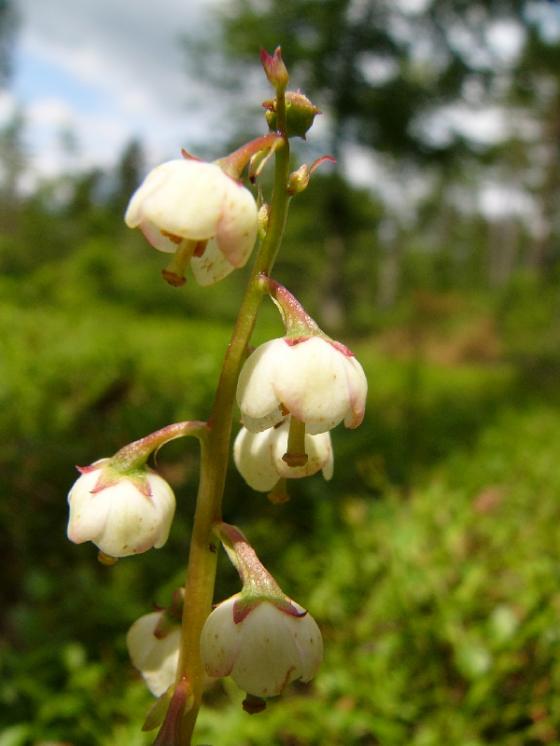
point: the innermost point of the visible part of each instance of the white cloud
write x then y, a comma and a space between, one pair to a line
51, 111
8, 106
117, 70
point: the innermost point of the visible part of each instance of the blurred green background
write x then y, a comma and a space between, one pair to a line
432, 560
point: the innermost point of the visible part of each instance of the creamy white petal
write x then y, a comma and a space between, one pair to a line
155, 658
268, 658
212, 266
252, 453
181, 197
312, 379
237, 227
311, 382
220, 640
256, 395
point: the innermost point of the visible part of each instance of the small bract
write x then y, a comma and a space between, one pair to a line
188, 200
316, 380
258, 456
263, 652
155, 657
121, 515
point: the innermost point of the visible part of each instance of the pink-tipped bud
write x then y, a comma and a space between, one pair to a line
275, 69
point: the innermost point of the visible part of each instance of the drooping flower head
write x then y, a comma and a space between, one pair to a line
122, 515
196, 211
263, 652
259, 637
317, 381
259, 457
305, 374
155, 654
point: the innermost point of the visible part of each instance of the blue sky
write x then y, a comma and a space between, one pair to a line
109, 70
106, 70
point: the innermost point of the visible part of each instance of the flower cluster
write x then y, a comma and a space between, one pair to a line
291, 392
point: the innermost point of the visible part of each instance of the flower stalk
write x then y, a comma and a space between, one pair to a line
201, 569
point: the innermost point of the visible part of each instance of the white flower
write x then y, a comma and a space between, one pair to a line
264, 651
155, 658
189, 199
258, 456
314, 379
122, 515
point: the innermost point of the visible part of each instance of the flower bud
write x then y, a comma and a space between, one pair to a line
155, 656
122, 514
313, 378
198, 213
298, 180
259, 457
274, 68
263, 651
300, 113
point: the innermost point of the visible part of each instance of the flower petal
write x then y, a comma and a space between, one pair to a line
212, 266
237, 227
257, 399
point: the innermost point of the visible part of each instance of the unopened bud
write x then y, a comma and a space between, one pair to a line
262, 220
300, 113
299, 180
275, 69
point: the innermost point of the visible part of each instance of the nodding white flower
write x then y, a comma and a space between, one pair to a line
265, 650
120, 514
155, 656
188, 200
259, 456
316, 380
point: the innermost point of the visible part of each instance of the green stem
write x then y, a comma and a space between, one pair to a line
201, 571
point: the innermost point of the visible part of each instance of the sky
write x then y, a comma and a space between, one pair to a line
95, 73
105, 71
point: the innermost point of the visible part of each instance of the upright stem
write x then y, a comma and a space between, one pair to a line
201, 570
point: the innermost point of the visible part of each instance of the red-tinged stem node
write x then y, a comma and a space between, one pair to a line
234, 163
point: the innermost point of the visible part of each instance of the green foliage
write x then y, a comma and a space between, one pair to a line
439, 612
429, 560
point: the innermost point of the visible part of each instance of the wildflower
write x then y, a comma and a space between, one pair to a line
122, 514
259, 457
316, 380
197, 212
270, 646
153, 652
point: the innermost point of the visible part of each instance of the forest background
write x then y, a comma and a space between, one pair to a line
431, 560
